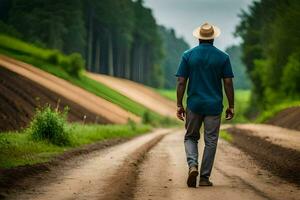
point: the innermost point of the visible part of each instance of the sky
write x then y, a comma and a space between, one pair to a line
185, 15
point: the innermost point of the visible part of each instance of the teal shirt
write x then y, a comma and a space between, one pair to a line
205, 66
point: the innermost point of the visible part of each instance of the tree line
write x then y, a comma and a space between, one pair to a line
173, 47
241, 77
271, 50
116, 37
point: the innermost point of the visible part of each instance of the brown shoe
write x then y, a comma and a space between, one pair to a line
205, 182
192, 177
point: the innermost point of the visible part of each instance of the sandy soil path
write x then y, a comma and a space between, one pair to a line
139, 93
119, 173
235, 176
105, 174
286, 138
91, 102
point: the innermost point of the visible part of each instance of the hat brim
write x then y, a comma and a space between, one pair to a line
217, 33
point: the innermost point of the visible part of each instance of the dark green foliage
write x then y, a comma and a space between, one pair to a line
8, 30
173, 50
119, 38
53, 58
146, 119
147, 52
56, 24
241, 79
75, 65
291, 75
270, 33
50, 125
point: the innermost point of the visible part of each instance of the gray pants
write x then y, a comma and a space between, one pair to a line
211, 135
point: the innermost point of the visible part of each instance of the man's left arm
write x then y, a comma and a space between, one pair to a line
228, 87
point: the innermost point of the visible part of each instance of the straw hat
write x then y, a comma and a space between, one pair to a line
206, 32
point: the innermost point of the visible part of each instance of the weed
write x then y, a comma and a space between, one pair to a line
50, 125
225, 136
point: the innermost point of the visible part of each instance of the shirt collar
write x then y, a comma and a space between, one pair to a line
205, 44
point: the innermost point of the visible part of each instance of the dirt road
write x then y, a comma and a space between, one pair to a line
139, 93
101, 107
119, 172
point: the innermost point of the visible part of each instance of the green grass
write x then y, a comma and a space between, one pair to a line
272, 111
18, 46
39, 58
170, 94
225, 136
18, 148
242, 100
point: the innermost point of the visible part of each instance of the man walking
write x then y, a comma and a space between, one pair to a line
204, 67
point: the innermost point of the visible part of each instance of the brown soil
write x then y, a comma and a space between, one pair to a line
235, 175
109, 173
282, 161
20, 97
106, 110
288, 118
11, 178
286, 138
120, 172
139, 93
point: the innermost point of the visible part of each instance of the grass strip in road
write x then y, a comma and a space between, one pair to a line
19, 149
225, 136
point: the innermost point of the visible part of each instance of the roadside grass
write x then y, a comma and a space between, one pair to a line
226, 136
39, 57
242, 100
269, 113
170, 94
19, 148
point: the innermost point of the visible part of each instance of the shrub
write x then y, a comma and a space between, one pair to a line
50, 125
131, 124
291, 75
76, 64
53, 57
146, 118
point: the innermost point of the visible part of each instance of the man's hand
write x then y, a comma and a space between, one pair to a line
229, 113
180, 113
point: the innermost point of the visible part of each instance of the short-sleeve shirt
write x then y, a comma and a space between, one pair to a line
205, 66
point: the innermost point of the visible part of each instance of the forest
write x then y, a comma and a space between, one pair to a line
117, 38
271, 51
241, 77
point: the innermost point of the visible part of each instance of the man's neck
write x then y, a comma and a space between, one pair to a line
206, 42
211, 43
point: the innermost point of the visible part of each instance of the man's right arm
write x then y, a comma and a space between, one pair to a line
181, 85
229, 91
